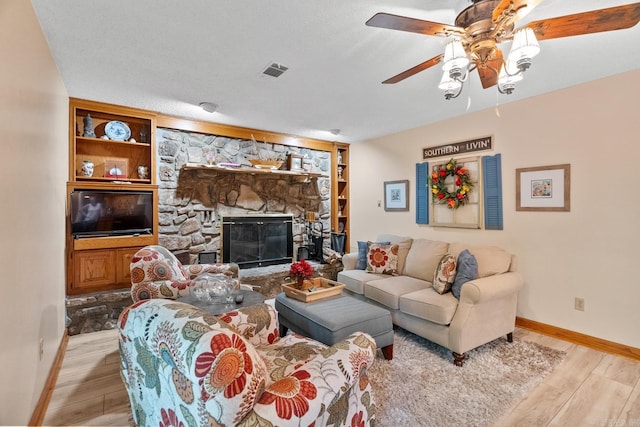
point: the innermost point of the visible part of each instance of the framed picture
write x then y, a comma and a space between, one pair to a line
116, 168
544, 188
294, 162
395, 195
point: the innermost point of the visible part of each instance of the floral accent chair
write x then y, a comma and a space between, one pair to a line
157, 273
184, 367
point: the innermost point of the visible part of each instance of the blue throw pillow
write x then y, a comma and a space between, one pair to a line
467, 270
361, 264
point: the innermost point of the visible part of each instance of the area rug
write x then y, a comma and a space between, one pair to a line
422, 387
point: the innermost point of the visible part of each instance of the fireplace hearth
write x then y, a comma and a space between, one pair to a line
257, 240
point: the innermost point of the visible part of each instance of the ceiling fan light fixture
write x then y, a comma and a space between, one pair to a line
451, 87
509, 75
455, 57
525, 46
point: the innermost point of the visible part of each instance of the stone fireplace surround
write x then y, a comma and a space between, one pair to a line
192, 202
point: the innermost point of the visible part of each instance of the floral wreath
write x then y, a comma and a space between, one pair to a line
441, 193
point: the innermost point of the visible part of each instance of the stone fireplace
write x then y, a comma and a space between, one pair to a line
192, 202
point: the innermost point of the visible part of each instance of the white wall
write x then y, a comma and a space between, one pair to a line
33, 171
590, 252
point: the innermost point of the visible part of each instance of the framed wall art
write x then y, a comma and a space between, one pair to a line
294, 162
395, 196
544, 188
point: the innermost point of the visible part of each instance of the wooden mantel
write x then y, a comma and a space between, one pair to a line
253, 171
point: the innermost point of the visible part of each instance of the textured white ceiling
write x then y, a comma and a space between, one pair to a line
168, 56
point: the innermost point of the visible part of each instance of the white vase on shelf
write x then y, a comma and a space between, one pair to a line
143, 172
87, 168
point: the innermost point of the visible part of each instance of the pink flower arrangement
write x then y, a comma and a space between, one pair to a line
301, 269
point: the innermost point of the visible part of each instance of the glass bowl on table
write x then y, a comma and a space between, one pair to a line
218, 287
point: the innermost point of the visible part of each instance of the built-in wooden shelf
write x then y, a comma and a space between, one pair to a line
197, 166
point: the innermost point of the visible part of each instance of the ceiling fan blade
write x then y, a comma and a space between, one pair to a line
489, 70
520, 7
412, 25
414, 70
595, 21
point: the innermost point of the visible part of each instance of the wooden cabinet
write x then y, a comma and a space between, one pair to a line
94, 269
116, 159
340, 211
98, 262
101, 269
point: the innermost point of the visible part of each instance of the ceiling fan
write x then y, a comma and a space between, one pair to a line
482, 26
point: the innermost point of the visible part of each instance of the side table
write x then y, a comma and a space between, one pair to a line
249, 298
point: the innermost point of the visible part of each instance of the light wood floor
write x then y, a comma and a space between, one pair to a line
589, 388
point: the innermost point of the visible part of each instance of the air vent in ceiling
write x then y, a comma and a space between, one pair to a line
275, 70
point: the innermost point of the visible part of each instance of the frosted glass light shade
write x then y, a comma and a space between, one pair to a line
455, 56
525, 45
449, 84
509, 74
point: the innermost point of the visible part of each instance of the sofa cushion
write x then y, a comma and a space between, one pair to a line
403, 251
388, 291
445, 274
423, 258
429, 305
491, 259
363, 252
382, 258
354, 280
467, 270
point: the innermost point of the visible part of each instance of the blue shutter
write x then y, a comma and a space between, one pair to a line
422, 193
492, 188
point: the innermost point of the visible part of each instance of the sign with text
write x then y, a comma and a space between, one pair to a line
479, 144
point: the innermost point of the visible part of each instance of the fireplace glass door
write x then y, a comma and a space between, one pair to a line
256, 241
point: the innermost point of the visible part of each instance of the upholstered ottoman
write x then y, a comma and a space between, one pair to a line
333, 319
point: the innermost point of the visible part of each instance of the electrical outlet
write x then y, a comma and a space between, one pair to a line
41, 348
579, 304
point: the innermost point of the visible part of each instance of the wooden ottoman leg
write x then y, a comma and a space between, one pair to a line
458, 359
387, 352
510, 337
282, 330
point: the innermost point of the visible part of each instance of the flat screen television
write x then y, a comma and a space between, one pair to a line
101, 213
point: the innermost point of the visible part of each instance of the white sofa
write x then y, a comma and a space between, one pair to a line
486, 309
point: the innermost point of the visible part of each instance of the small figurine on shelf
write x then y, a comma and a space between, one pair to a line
340, 172
143, 172
143, 133
88, 127
339, 156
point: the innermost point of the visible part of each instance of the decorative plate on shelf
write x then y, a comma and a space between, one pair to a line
117, 130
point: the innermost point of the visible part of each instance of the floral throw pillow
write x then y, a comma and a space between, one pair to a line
363, 252
382, 258
445, 274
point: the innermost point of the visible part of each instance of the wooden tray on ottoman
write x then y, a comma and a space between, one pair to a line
326, 288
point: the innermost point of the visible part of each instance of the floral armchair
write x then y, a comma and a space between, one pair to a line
157, 273
183, 366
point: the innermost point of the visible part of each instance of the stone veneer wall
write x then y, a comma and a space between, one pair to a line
192, 202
